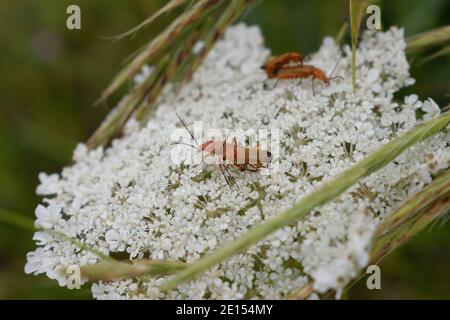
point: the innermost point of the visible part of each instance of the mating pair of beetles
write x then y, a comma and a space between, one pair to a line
286, 66
290, 66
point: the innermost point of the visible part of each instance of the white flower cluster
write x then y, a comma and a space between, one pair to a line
131, 200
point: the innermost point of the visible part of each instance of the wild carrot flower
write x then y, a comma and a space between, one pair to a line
130, 198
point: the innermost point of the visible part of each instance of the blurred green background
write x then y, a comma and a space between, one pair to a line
50, 77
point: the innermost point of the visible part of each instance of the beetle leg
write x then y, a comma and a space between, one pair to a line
276, 83
223, 173
230, 176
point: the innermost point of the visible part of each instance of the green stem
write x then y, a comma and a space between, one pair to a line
109, 268
22, 222
339, 38
326, 193
445, 51
17, 220
357, 8
427, 39
116, 270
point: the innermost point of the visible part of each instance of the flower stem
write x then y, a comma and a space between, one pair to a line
357, 8
116, 270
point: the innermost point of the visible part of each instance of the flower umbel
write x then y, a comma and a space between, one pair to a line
131, 198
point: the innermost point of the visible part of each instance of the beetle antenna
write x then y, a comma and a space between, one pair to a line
185, 126
186, 144
334, 69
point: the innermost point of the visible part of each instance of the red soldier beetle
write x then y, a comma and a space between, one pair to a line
232, 154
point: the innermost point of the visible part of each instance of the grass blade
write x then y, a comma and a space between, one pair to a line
160, 42
445, 51
230, 14
339, 38
115, 270
176, 61
168, 7
414, 215
425, 40
113, 123
25, 223
179, 63
108, 268
357, 8
16, 220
